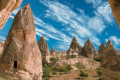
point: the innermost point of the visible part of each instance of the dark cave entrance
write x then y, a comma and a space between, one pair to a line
15, 64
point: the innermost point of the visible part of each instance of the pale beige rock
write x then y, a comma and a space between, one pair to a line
43, 46
115, 6
87, 62
110, 63
1, 47
75, 48
22, 57
88, 49
6, 8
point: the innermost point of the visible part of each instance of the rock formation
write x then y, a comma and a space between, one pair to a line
6, 8
22, 58
110, 63
75, 48
101, 50
44, 50
1, 47
53, 52
88, 49
115, 6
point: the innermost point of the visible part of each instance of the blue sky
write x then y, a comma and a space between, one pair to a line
60, 20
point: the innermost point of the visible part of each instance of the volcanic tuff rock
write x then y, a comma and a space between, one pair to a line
110, 63
115, 6
101, 50
1, 46
53, 52
22, 57
88, 49
44, 50
75, 48
6, 8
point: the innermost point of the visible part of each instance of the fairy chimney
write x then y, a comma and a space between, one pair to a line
22, 56
43, 46
88, 49
110, 63
101, 50
53, 52
75, 48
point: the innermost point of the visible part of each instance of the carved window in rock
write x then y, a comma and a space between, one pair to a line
15, 64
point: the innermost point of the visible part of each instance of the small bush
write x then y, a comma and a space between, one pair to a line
100, 79
83, 74
64, 68
53, 59
99, 71
54, 73
79, 65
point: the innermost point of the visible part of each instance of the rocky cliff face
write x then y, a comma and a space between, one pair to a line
101, 50
22, 58
115, 6
44, 50
1, 46
110, 63
75, 48
88, 49
6, 8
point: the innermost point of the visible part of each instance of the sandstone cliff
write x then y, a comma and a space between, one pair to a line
75, 48
6, 8
115, 6
44, 50
88, 49
22, 58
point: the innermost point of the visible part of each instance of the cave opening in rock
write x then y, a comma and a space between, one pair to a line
15, 64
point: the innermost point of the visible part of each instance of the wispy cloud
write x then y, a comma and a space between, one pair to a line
2, 38
80, 24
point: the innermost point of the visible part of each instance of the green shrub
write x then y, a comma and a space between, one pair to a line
79, 65
83, 74
100, 79
54, 72
64, 68
99, 71
52, 60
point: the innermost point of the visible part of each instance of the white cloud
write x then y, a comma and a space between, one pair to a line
105, 11
2, 38
95, 3
79, 24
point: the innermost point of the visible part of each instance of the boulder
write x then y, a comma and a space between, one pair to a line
88, 49
6, 8
43, 46
22, 58
75, 49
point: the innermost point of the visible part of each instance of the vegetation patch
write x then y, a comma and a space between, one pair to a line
99, 71
83, 74
80, 65
64, 68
